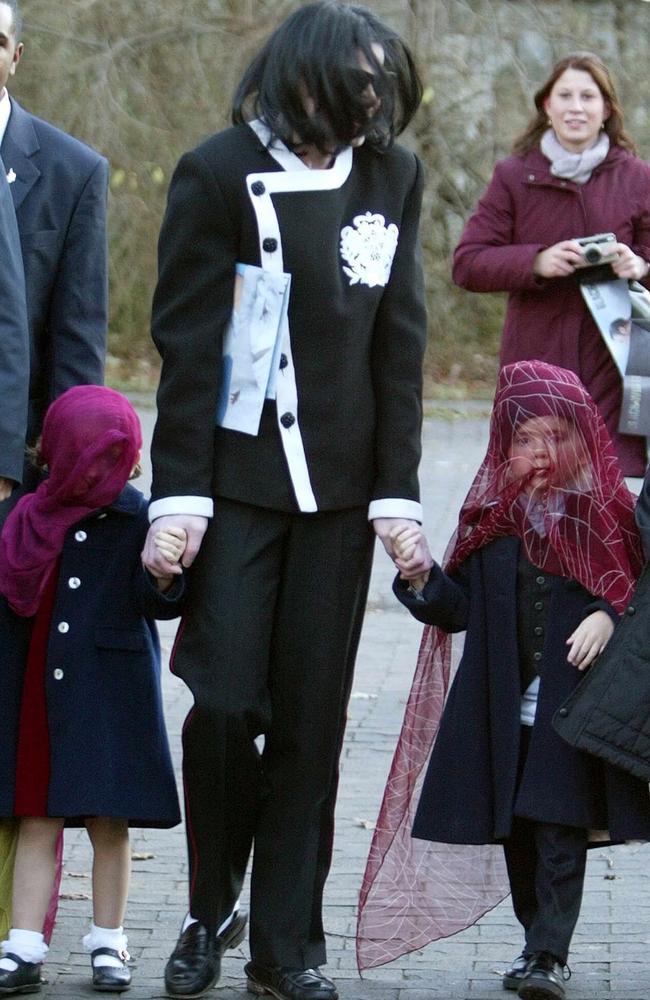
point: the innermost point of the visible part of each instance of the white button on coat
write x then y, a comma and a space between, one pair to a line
58, 674
80, 536
63, 627
74, 583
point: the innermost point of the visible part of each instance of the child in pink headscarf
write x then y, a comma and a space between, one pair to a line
83, 740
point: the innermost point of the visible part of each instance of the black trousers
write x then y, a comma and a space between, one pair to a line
546, 870
267, 647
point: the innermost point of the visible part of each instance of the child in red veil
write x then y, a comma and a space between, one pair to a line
543, 561
83, 738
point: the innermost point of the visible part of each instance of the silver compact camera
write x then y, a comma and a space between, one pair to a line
594, 249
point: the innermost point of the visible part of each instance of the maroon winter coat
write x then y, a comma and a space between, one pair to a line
526, 209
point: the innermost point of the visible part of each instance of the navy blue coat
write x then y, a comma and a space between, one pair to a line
470, 793
59, 193
109, 754
14, 341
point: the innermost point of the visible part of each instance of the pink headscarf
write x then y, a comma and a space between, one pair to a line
415, 891
90, 442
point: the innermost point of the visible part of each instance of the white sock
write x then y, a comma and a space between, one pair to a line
106, 937
28, 945
189, 920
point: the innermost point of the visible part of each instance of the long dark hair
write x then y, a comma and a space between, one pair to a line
589, 63
315, 53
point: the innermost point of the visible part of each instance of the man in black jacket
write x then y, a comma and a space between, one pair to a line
59, 189
294, 419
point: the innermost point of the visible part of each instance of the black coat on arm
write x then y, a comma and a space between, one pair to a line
470, 792
609, 713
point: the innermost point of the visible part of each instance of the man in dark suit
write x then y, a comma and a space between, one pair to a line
59, 189
317, 243
14, 346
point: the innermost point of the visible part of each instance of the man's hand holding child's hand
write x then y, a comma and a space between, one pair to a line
408, 541
170, 543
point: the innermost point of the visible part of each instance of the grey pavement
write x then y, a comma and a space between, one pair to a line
611, 955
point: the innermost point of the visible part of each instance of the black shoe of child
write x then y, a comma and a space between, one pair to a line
513, 975
25, 979
110, 978
544, 978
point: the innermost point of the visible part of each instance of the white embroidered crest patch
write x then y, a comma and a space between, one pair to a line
368, 247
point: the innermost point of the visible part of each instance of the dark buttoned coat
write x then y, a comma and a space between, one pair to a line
109, 754
59, 189
470, 793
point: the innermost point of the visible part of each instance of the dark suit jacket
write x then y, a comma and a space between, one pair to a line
14, 341
356, 345
59, 195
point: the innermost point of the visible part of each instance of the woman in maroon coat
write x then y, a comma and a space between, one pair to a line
572, 173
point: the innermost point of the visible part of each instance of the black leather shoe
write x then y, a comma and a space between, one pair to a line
513, 976
110, 978
25, 979
544, 978
195, 963
289, 984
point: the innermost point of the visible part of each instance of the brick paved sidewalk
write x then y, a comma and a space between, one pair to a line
610, 956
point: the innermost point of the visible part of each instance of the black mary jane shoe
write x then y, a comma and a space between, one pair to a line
544, 979
514, 974
110, 978
289, 984
25, 979
194, 966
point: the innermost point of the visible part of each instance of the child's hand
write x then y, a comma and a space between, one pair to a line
171, 543
589, 639
419, 582
405, 539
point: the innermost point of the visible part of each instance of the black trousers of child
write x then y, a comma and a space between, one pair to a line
267, 646
546, 870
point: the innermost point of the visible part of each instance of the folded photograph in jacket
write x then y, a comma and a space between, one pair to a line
251, 347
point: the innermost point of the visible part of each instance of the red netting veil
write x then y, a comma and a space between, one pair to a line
575, 517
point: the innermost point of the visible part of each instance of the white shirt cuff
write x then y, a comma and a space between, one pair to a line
409, 509
200, 506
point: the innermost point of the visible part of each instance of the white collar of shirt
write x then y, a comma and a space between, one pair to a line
285, 156
5, 111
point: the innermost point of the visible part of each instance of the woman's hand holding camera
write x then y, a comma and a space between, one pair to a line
558, 261
628, 264
562, 259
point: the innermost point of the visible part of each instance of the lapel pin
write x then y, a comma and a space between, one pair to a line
11, 176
